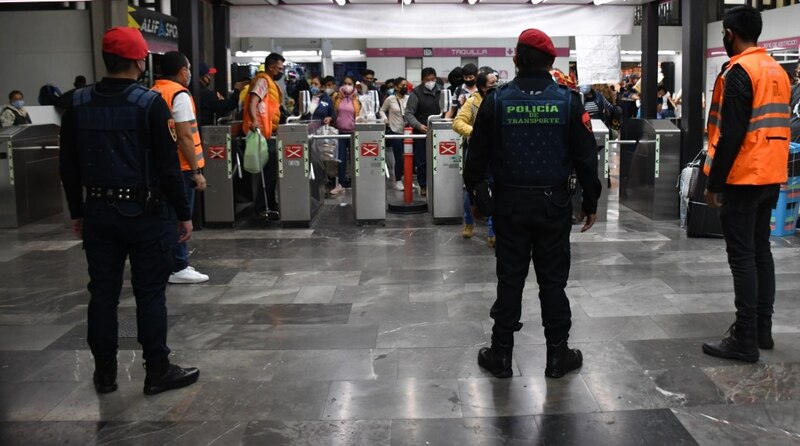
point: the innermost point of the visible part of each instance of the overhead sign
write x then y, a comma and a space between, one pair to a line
159, 30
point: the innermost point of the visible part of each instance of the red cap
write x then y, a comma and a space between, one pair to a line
125, 42
537, 39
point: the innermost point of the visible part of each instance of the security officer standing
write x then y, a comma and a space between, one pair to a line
531, 133
118, 143
748, 152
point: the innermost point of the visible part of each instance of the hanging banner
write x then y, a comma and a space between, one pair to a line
427, 21
598, 59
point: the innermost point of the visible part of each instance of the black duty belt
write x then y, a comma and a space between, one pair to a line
528, 188
114, 193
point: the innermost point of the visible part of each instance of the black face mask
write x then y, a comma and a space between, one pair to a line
470, 84
728, 44
278, 76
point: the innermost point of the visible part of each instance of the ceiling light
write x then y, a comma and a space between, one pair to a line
536, 2
407, 2
602, 2
340, 2
272, 2
472, 2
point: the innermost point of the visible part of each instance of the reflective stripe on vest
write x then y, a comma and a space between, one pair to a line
763, 157
269, 109
168, 90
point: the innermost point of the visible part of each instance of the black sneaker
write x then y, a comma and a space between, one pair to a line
561, 359
740, 344
105, 375
165, 376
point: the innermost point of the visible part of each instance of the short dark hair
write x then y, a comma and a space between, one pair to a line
662, 88
172, 63
116, 64
367, 72
328, 79
483, 79
397, 80
14, 93
529, 58
486, 69
470, 69
80, 81
273, 58
744, 21
427, 71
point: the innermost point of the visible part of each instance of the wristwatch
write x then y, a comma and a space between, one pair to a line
198, 171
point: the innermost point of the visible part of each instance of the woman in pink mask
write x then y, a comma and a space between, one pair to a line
345, 102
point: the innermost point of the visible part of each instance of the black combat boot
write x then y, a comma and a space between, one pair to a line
162, 376
741, 344
764, 329
561, 359
105, 374
496, 359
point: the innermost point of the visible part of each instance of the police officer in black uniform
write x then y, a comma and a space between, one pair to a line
531, 133
118, 151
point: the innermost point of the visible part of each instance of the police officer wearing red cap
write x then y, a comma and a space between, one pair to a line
123, 185
531, 133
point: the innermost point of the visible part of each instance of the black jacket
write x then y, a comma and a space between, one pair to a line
211, 105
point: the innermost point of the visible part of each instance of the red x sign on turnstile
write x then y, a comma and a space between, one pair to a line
447, 148
216, 152
293, 151
369, 149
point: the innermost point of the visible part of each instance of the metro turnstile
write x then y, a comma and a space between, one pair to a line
649, 167
301, 175
444, 159
601, 135
30, 186
223, 170
369, 176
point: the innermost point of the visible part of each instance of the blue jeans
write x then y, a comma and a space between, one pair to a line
469, 220
180, 251
421, 161
344, 151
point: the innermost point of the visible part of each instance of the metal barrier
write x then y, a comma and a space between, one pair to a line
301, 174
369, 172
30, 187
445, 191
649, 167
223, 172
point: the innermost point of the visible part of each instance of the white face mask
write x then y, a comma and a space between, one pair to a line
329, 91
430, 85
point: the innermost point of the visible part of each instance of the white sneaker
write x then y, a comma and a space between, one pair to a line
399, 186
337, 190
187, 275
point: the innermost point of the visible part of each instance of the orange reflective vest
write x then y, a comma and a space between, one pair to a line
764, 155
168, 89
269, 109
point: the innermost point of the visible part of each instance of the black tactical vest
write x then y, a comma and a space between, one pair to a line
532, 137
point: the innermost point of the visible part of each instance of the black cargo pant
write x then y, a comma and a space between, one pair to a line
745, 216
109, 237
532, 225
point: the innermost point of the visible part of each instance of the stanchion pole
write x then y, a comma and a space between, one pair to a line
408, 167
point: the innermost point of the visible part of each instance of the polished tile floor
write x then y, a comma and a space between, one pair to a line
346, 335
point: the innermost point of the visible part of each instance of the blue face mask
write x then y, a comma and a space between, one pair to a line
18, 104
585, 89
390, 91
314, 90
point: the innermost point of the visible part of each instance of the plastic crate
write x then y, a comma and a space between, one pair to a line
784, 217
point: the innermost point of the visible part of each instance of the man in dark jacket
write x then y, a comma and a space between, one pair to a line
212, 104
531, 134
422, 103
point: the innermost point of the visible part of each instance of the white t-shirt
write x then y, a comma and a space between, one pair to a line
182, 108
665, 104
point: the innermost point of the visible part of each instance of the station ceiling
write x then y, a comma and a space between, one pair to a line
385, 2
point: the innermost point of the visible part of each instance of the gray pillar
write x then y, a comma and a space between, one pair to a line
693, 17
649, 60
327, 59
105, 15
